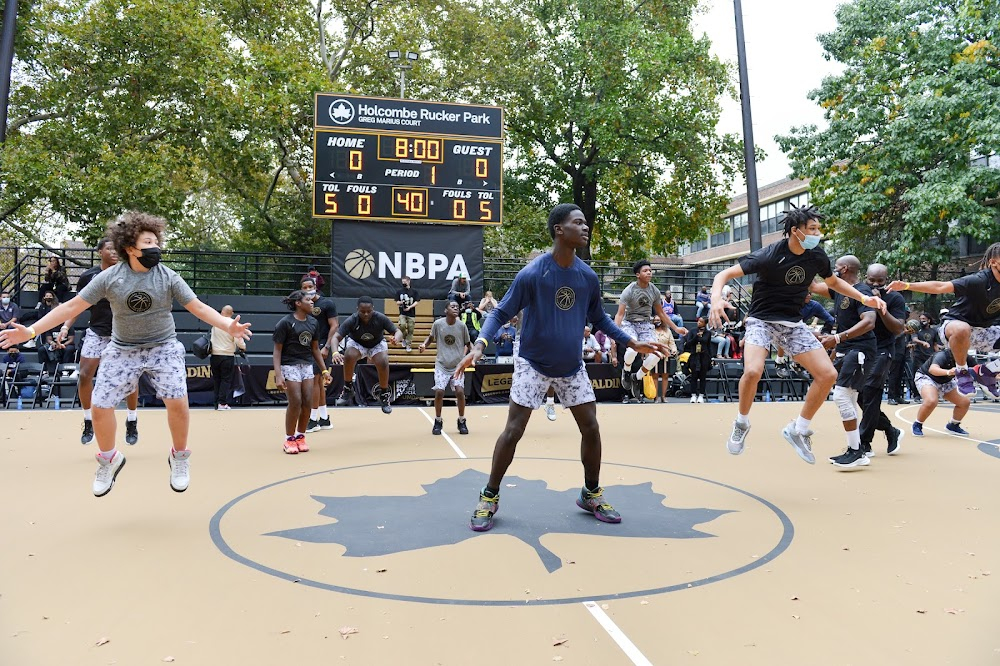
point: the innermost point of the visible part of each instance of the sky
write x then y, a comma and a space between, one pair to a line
784, 63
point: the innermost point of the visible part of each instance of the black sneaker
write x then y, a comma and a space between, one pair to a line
594, 503
850, 459
438, 424
637, 389
482, 517
312, 426
324, 424
384, 399
895, 436
463, 428
345, 398
627, 380
867, 450
131, 432
88, 432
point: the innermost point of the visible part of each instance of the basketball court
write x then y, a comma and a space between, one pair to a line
359, 551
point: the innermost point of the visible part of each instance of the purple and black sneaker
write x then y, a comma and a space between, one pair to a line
966, 382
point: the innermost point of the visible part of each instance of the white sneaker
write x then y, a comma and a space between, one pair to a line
701, 397
180, 475
550, 411
801, 442
738, 439
694, 398
107, 472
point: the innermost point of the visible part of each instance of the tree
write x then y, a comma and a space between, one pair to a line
916, 102
612, 104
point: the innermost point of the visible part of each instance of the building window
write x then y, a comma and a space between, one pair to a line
699, 245
741, 227
721, 238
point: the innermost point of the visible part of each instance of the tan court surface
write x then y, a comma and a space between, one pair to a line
898, 563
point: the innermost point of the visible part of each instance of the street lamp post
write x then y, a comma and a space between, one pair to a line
403, 62
749, 158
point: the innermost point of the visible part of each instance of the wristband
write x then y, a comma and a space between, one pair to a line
483, 340
325, 372
31, 332
907, 287
837, 338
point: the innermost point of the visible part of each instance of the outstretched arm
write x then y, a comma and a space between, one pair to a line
929, 287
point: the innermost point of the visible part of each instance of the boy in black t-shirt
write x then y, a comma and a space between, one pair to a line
973, 322
364, 333
936, 379
784, 272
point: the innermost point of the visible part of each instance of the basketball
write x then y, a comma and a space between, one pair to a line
359, 264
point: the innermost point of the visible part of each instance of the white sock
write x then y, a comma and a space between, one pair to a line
107, 455
640, 373
322, 412
802, 425
550, 401
953, 422
87, 415
297, 433
961, 367
743, 419
314, 414
133, 415
854, 439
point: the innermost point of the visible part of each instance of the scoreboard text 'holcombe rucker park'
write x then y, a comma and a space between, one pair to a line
407, 161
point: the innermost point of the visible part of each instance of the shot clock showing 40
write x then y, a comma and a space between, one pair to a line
408, 161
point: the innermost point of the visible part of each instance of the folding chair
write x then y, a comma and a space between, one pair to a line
27, 375
66, 375
716, 385
732, 371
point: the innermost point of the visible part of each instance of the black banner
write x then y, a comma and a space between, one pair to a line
491, 382
402, 387
370, 258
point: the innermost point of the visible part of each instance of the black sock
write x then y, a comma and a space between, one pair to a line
491, 492
592, 486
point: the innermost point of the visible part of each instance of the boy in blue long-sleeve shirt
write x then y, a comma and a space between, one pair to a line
559, 295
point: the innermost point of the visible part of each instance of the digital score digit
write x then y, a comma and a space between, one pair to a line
451, 175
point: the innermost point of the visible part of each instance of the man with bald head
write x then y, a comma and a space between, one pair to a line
855, 353
888, 327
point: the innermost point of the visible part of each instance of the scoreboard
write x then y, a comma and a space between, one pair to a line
407, 161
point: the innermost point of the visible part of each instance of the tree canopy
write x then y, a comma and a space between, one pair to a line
895, 170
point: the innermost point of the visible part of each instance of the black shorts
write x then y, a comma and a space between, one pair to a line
854, 366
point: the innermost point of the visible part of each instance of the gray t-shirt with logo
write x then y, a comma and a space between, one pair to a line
140, 303
639, 301
451, 340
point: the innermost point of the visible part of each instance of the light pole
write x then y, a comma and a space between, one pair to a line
749, 160
403, 62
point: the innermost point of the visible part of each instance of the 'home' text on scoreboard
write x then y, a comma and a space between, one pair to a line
407, 161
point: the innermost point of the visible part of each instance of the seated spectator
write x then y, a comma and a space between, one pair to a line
460, 290
812, 309
55, 280
13, 355
10, 312
661, 372
670, 309
703, 301
54, 350
487, 303
472, 319
722, 342
607, 356
317, 279
47, 303
504, 341
591, 347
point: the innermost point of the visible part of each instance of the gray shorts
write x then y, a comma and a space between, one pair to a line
365, 351
121, 369
94, 344
528, 386
921, 380
794, 340
983, 340
297, 373
444, 380
643, 331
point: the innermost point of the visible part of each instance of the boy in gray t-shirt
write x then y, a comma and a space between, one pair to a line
453, 343
141, 293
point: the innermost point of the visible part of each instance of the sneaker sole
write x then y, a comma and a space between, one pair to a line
482, 528
114, 477
798, 452
595, 514
861, 462
326, 427
309, 430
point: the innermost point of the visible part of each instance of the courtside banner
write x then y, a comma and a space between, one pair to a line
370, 258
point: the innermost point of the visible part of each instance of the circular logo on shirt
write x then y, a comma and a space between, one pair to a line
305, 338
993, 307
449, 339
845, 303
367, 337
795, 275
316, 311
139, 301
643, 301
565, 298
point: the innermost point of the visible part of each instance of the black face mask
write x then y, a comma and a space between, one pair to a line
150, 257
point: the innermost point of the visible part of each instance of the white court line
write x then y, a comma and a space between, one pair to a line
443, 434
627, 646
941, 432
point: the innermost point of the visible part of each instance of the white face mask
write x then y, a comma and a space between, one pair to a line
5, 301
310, 292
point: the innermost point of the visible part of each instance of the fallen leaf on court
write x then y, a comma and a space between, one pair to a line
605, 606
347, 631
557, 658
954, 611
381, 570
643, 603
693, 653
845, 548
986, 573
795, 617
795, 598
285, 631
559, 641
168, 659
102, 641
921, 611
511, 485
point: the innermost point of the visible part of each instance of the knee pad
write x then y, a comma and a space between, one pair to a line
630, 355
650, 361
844, 397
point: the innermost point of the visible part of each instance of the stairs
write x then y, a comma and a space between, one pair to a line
425, 318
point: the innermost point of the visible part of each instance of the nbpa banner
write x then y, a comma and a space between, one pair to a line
370, 258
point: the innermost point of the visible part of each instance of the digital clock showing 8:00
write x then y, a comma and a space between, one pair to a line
407, 176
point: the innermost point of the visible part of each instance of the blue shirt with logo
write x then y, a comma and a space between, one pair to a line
557, 303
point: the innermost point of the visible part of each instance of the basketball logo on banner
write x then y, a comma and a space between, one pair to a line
359, 263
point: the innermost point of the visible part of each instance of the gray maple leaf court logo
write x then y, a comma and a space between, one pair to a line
370, 525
